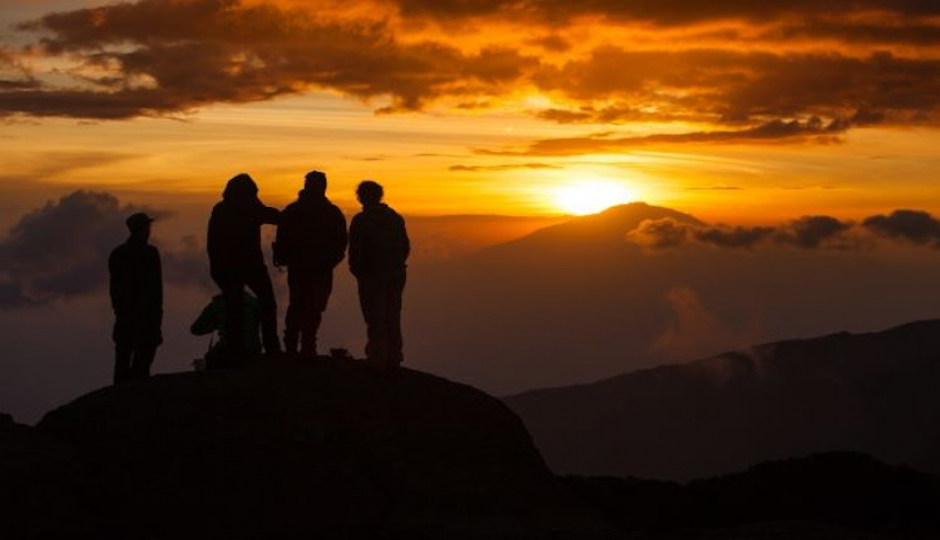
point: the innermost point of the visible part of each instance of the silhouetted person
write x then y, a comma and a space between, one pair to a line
378, 249
311, 241
236, 261
137, 298
212, 319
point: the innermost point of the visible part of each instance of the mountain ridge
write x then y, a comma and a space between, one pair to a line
870, 392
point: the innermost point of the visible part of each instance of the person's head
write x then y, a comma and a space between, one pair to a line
369, 192
139, 224
240, 188
315, 182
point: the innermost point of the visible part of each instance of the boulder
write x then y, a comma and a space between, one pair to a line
288, 448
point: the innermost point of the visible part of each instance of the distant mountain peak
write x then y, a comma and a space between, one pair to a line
610, 225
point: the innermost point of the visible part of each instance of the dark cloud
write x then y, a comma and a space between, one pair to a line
914, 226
61, 251
812, 231
808, 232
163, 57
666, 12
733, 237
553, 43
887, 32
811, 130
617, 114
730, 86
503, 167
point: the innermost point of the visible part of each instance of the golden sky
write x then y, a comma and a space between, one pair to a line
732, 110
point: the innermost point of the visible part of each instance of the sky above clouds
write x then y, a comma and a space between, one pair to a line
485, 106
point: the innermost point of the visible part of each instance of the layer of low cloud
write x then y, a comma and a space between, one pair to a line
807, 232
61, 251
915, 226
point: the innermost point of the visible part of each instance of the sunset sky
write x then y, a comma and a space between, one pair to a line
732, 110
788, 133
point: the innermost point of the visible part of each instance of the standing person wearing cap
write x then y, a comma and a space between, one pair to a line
311, 241
137, 299
378, 249
236, 261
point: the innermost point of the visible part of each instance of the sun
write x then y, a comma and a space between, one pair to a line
591, 197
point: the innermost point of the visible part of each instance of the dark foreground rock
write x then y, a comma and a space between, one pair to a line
831, 495
284, 449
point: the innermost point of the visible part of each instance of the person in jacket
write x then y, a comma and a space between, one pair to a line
136, 287
236, 260
378, 249
311, 241
212, 319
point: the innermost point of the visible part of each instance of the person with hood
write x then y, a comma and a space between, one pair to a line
378, 249
236, 260
311, 241
212, 320
136, 287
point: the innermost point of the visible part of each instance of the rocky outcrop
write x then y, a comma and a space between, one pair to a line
284, 449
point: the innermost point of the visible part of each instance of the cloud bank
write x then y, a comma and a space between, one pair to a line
746, 71
61, 251
807, 232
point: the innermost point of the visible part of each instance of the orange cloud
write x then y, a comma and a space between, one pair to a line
161, 56
760, 70
812, 130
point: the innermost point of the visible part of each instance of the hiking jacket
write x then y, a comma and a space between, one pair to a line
311, 234
212, 319
234, 239
136, 288
378, 242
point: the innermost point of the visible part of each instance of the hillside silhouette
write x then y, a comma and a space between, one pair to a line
580, 301
834, 495
282, 449
873, 393
292, 449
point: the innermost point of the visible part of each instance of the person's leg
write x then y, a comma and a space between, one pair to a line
233, 289
141, 361
260, 283
292, 320
320, 287
394, 291
122, 362
371, 301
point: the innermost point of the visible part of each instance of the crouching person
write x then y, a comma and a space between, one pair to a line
213, 319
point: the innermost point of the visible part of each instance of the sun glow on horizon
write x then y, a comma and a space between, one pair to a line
591, 197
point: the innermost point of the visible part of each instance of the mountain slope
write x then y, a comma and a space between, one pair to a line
874, 393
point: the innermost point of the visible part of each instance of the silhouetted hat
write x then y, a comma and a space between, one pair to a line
138, 221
